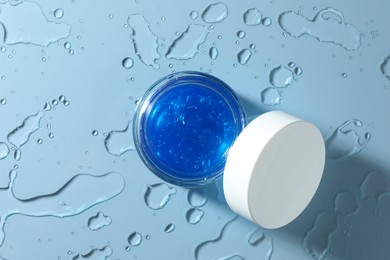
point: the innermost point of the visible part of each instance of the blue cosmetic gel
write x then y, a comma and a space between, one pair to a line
184, 126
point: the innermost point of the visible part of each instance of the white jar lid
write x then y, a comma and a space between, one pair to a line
273, 169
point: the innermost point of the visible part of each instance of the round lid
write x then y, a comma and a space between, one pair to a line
273, 169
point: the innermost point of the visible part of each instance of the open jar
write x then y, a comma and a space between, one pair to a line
190, 129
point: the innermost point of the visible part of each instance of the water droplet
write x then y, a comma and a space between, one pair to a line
95, 253
21, 134
244, 56
266, 21
194, 216
328, 25
135, 239
215, 13
291, 64
345, 141
110, 16
39, 141
194, 15
47, 106
213, 53
3, 49
169, 228
127, 63
344, 75
58, 13
373, 185
158, 195
345, 203
281, 77
385, 67
4, 150
256, 237
118, 142
51, 135
197, 197
62, 98
54, 102
316, 240
3, 101
98, 221
17, 154
95, 132
67, 45
71, 51
34, 28
252, 17
298, 71
187, 44
271, 96
144, 40
241, 34
127, 248
219, 37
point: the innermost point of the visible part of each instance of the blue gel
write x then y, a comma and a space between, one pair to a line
185, 125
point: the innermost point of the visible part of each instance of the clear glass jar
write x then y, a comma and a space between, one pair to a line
184, 126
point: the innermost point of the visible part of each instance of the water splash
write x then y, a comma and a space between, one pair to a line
252, 17
197, 197
244, 56
345, 142
345, 203
194, 216
281, 77
316, 240
213, 53
144, 40
385, 67
373, 186
158, 195
215, 13
95, 254
135, 239
186, 45
21, 134
68, 200
328, 25
25, 22
99, 221
117, 142
4, 150
271, 96
235, 231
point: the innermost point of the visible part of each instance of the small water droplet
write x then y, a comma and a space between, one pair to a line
67, 45
252, 17
256, 237
62, 98
213, 53
127, 248
3, 77
17, 154
197, 197
169, 228
95, 132
266, 21
58, 13
219, 37
39, 141
281, 77
194, 15
51, 135
271, 96
127, 63
135, 239
298, 71
3, 101
3, 49
158, 195
291, 64
344, 75
194, 216
215, 13
252, 46
244, 56
110, 16
241, 34
4, 150
71, 51
54, 102
147, 237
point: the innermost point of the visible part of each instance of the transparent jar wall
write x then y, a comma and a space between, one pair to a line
343, 88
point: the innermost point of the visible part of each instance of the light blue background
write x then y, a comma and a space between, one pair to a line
349, 216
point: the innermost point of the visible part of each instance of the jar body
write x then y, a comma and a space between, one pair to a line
184, 126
